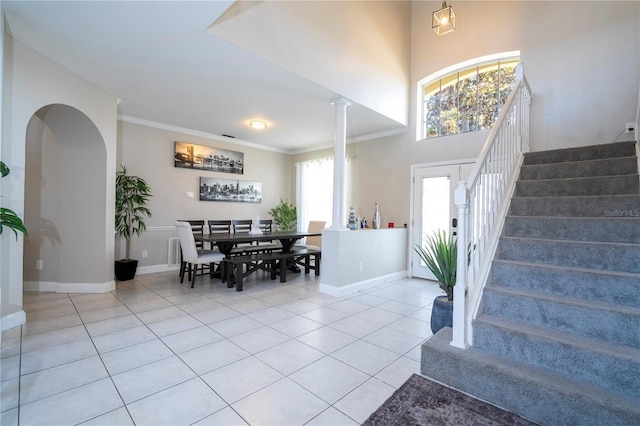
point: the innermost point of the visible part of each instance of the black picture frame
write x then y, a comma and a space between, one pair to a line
201, 157
230, 190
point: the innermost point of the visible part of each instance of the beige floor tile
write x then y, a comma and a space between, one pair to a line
182, 404
330, 387
241, 378
281, 403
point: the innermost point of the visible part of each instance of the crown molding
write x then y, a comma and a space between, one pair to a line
198, 133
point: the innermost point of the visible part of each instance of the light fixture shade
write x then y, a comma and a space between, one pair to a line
443, 20
258, 124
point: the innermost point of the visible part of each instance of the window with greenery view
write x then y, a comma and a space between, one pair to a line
467, 100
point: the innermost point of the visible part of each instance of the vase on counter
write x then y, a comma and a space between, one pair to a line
352, 219
376, 218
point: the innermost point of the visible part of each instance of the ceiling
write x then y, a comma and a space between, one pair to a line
167, 70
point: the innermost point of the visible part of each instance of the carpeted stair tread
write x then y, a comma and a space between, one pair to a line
587, 318
533, 392
605, 229
604, 364
590, 152
586, 343
598, 167
584, 303
585, 254
621, 288
579, 186
577, 206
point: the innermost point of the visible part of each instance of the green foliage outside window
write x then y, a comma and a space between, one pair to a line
467, 100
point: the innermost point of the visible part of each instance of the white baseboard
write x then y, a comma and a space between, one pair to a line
57, 287
40, 286
156, 268
349, 289
14, 319
69, 287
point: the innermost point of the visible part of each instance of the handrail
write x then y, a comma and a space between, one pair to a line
482, 202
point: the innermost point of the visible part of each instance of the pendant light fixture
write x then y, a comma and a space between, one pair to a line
443, 20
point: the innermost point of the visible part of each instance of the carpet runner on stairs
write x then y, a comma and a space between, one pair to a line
557, 339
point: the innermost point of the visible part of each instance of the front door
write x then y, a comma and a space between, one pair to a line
433, 207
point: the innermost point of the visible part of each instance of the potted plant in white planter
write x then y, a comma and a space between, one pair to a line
8, 217
440, 255
132, 194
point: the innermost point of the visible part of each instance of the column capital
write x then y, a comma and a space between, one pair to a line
340, 101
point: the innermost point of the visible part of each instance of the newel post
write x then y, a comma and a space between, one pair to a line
460, 304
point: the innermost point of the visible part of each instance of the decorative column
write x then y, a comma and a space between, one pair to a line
339, 166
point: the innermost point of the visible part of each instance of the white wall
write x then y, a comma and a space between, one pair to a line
30, 82
357, 49
356, 260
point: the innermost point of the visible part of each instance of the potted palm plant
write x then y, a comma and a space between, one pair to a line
284, 216
440, 255
8, 217
132, 194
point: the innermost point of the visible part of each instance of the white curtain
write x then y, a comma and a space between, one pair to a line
314, 193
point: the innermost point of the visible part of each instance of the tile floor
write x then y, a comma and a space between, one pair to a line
155, 352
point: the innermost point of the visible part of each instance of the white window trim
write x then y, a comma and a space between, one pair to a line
481, 60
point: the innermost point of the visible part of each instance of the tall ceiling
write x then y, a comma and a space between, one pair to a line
165, 67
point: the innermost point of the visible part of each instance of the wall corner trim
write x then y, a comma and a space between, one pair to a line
14, 319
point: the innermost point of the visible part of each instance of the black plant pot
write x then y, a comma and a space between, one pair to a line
126, 269
441, 314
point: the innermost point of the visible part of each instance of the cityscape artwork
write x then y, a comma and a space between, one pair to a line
215, 189
200, 157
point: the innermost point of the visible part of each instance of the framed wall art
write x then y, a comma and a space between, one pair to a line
214, 189
200, 157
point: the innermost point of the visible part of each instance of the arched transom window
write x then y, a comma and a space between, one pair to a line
467, 99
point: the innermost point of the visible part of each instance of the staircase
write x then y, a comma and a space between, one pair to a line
557, 339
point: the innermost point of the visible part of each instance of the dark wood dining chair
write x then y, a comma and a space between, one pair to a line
241, 226
219, 227
266, 226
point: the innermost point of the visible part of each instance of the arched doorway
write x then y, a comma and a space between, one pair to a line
65, 211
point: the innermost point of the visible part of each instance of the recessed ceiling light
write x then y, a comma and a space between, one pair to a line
258, 124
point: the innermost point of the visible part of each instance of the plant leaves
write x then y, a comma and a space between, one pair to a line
440, 255
8, 217
12, 221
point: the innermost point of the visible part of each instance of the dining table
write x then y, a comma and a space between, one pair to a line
227, 241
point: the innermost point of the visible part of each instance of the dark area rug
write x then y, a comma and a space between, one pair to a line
420, 401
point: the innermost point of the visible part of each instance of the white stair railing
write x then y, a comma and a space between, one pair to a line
482, 202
